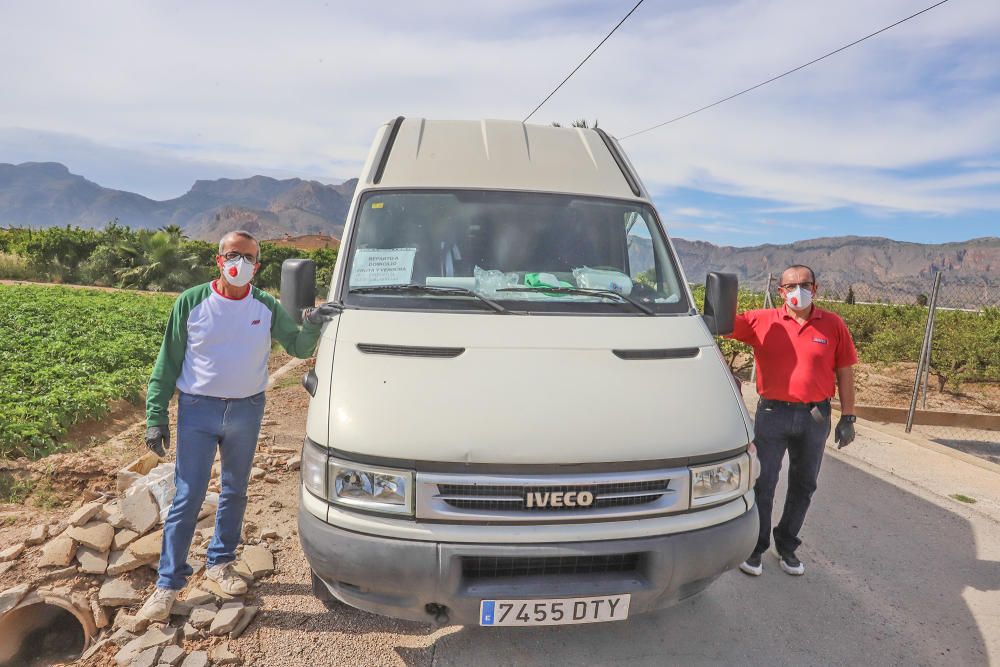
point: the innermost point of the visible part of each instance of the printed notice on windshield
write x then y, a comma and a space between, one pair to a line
378, 266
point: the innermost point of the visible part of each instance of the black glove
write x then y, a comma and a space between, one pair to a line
321, 314
158, 439
844, 435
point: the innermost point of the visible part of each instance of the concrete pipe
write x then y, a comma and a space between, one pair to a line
45, 628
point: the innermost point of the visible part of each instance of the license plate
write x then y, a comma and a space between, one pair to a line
564, 611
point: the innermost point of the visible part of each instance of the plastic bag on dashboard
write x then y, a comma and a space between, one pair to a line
488, 281
616, 281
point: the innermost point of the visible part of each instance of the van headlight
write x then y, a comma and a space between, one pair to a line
720, 482
371, 488
314, 465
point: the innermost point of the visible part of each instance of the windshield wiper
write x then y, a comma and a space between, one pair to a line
583, 291
430, 289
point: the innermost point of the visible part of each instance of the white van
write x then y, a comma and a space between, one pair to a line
519, 417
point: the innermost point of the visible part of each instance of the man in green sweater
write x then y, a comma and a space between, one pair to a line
215, 351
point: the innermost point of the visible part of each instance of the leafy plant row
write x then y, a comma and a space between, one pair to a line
116, 256
965, 346
65, 354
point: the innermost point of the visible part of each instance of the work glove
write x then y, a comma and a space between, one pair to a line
321, 314
158, 439
844, 435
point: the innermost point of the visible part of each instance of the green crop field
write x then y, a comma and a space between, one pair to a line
65, 353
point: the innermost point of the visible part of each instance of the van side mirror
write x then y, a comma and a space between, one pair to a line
298, 286
721, 294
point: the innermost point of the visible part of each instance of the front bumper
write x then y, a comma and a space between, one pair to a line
398, 578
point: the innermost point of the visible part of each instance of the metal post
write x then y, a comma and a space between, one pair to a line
925, 352
930, 346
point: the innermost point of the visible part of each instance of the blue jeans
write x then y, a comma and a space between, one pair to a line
777, 429
204, 423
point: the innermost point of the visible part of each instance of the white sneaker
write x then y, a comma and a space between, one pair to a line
230, 582
791, 565
159, 604
752, 566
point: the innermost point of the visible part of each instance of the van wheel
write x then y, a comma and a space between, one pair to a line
323, 594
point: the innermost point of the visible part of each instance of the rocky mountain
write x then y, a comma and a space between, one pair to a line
45, 194
877, 268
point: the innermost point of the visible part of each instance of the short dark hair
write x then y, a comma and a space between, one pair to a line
801, 266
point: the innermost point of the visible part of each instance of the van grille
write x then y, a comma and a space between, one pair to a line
494, 497
483, 497
490, 567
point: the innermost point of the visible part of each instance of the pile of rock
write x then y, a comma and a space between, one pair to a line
101, 550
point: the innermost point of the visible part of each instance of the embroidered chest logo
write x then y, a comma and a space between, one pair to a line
821, 341
258, 322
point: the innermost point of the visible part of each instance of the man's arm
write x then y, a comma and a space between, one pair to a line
845, 385
167, 369
298, 342
743, 330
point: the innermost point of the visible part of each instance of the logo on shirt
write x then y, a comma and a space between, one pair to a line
821, 341
258, 322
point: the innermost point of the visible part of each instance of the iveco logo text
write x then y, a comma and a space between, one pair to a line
559, 499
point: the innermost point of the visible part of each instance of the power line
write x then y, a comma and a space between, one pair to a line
791, 71
556, 89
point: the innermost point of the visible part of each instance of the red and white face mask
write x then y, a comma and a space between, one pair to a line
798, 298
237, 272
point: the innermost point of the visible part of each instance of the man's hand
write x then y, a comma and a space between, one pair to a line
321, 314
158, 439
844, 435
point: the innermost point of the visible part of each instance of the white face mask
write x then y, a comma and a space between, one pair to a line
237, 272
798, 298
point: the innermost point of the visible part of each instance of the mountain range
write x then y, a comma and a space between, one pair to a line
43, 194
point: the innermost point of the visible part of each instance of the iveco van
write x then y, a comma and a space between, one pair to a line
519, 417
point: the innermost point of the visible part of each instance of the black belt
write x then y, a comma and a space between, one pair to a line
771, 403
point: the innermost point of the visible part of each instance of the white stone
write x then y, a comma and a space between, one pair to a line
147, 658
172, 655
202, 617
85, 513
140, 511
118, 593
11, 552
38, 535
96, 535
226, 619
10, 597
148, 547
221, 655
245, 619
58, 552
92, 561
123, 561
196, 659
259, 560
123, 538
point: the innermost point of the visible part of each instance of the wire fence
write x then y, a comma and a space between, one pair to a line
929, 356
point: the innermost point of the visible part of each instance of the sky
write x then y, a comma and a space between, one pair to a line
896, 137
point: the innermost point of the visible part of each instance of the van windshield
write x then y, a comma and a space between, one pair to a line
509, 247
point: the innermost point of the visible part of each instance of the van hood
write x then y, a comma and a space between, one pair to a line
528, 389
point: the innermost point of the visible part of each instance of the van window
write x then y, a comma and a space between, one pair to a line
510, 246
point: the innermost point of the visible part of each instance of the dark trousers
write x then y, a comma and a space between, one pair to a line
778, 429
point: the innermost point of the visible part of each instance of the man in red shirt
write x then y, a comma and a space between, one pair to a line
803, 353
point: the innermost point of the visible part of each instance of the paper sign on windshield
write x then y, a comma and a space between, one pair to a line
378, 266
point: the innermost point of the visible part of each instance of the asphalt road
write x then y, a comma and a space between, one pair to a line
885, 584
896, 574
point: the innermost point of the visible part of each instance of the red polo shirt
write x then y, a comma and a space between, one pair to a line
796, 362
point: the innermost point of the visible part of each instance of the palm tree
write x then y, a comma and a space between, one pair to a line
160, 263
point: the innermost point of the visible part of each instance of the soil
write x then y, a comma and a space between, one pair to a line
292, 627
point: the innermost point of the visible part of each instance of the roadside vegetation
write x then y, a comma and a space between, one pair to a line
161, 260
966, 345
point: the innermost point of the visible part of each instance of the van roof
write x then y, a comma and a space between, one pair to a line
499, 155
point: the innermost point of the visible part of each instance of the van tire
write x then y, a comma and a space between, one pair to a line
323, 594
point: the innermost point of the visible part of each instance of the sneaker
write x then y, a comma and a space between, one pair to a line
159, 604
230, 582
752, 565
791, 565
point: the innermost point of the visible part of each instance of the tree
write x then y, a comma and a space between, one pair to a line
850, 296
582, 122
160, 263
922, 300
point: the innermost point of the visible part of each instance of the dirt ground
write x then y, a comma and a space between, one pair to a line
292, 627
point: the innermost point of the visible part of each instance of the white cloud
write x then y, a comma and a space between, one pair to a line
300, 87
